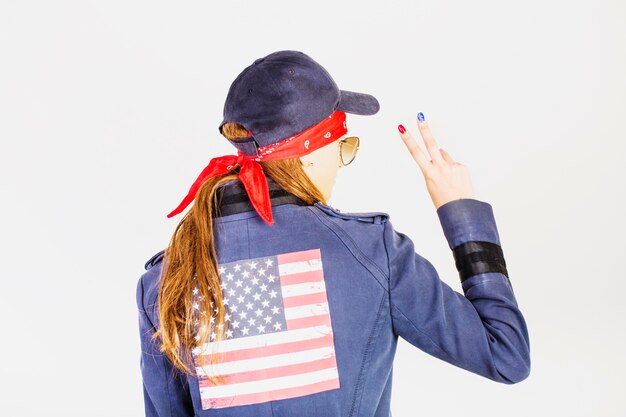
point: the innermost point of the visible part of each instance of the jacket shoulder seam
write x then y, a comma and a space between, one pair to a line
353, 248
388, 269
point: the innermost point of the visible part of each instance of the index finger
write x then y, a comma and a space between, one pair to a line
414, 149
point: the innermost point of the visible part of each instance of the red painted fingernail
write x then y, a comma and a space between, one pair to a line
401, 129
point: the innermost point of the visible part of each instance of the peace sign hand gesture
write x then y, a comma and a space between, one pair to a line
446, 179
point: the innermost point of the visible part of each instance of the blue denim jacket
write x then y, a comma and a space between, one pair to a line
317, 316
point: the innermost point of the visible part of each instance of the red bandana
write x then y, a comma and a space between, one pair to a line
251, 173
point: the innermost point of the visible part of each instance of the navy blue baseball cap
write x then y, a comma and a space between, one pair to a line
284, 93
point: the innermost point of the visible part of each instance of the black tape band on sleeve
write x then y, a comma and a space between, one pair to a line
477, 257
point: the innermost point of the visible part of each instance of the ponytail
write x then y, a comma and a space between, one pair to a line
191, 266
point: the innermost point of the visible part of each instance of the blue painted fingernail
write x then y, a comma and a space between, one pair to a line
420, 117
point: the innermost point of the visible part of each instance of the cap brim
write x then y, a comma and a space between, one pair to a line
357, 103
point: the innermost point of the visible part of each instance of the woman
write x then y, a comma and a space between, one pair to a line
269, 302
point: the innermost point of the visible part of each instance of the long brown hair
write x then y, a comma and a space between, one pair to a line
192, 265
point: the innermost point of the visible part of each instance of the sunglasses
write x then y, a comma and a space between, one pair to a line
348, 148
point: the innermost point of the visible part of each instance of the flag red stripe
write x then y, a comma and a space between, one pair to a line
269, 350
279, 371
298, 256
320, 320
301, 277
270, 395
304, 299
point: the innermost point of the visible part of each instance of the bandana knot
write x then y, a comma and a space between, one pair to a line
251, 172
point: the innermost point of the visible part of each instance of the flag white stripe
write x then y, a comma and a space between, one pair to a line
307, 310
303, 288
299, 267
262, 340
266, 362
269, 384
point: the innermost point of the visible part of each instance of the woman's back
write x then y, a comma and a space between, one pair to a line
315, 303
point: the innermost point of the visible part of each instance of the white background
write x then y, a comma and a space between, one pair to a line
109, 110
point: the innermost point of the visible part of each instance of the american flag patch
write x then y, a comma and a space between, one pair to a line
279, 341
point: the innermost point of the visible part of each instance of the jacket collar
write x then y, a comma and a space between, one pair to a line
231, 197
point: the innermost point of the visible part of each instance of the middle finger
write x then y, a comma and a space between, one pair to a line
429, 140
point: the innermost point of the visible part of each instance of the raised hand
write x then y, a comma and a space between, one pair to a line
446, 179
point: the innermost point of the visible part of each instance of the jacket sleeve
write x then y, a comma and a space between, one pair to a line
165, 390
481, 330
